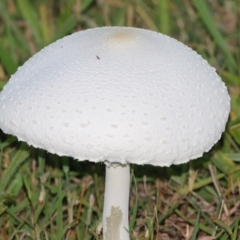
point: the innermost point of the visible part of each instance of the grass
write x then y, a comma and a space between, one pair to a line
43, 196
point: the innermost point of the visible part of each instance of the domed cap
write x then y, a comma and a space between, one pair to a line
119, 94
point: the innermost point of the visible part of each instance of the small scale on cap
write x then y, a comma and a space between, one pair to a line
119, 94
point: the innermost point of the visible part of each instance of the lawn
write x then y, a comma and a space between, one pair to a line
43, 196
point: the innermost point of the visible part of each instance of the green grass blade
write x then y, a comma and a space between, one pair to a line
30, 15
195, 229
2, 84
200, 184
65, 27
192, 222
28, 188
20, 156
8, 142
234, 156
134, 214
13, 34
7, 60
206, 17
59, 206
164, 17
235, 230
224, 226
170, 210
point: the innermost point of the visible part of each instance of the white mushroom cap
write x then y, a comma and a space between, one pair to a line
119, 94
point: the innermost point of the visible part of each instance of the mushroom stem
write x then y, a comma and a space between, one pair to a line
116, 201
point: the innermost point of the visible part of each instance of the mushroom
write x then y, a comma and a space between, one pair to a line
117, 95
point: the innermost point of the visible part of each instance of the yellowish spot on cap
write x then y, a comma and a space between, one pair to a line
121, 36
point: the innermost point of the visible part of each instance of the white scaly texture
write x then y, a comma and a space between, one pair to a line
119, 94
